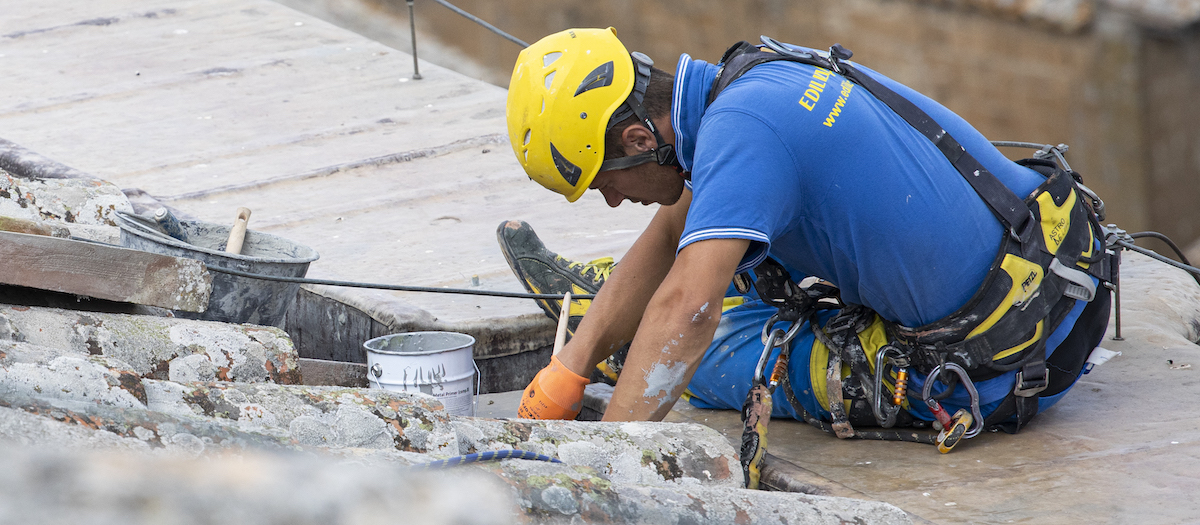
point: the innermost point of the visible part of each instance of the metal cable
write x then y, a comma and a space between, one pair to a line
483, 23
397, 287
1152, 254
352, 284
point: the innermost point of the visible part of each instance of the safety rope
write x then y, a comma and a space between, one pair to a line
488, 455
911, 436
483, 23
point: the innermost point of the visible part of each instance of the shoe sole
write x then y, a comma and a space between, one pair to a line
512, 263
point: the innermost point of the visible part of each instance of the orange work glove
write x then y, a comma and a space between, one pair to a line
555, 393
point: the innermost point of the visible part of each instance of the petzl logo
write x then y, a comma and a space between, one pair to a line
1028, 283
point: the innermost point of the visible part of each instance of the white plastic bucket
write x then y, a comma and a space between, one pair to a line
440, 364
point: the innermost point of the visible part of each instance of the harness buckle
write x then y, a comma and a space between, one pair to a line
1079, 285
837, 54
1032, 380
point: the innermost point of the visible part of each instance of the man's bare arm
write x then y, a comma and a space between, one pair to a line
614, 315
676, 330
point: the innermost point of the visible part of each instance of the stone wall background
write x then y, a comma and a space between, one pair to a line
1113, 80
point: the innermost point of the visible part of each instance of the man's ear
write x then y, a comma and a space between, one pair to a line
638, 139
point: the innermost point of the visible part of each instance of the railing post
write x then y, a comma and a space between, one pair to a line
412, 27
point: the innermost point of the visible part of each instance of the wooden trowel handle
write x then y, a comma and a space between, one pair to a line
237, 234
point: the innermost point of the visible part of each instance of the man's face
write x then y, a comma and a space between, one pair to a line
642, 184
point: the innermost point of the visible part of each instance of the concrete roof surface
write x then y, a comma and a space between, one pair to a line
209, 105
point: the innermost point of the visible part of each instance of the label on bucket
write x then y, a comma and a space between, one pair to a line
458, 402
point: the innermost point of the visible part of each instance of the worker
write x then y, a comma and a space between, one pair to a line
787, 157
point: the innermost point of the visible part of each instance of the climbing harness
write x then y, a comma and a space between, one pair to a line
1047, 261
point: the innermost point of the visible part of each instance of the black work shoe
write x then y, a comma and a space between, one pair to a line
543, 271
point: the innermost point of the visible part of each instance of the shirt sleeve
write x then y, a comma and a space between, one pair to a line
745, 184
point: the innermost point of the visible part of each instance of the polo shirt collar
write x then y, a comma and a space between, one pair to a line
693, 81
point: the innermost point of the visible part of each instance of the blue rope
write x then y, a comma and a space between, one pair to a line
489, 455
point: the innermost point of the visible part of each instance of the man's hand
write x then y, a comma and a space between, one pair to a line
554, 393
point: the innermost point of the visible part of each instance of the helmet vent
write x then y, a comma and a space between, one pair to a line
549, 58
569, 171
528, 135
598, 78
549, 79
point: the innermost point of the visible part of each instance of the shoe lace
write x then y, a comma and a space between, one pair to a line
597, 269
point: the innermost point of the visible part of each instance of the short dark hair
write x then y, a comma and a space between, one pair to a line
657, 103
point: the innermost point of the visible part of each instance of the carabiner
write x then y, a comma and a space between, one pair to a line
773, 338
977, 423
771, 342
787, 336
885, 416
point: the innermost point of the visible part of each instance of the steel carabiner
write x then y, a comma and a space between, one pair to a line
935, 374
885, 416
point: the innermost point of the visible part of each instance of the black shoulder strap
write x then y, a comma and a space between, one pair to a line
1010, 209
1012, 212
737, 61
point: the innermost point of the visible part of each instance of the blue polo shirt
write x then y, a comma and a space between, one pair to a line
822, 176
818, 173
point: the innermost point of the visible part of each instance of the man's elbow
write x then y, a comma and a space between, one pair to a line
688, 307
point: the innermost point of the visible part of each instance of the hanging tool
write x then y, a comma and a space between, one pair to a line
756, 410
237, 234
955, 432
885, 415
964, 424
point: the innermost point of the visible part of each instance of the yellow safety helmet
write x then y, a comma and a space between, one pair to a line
564, 91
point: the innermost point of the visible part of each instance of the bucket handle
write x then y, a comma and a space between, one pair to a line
475, 398
373, 373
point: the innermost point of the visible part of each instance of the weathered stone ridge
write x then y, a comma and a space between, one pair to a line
158, 347
86, 206
64, 386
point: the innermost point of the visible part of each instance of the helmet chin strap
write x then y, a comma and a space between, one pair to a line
630, 161
663, 153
